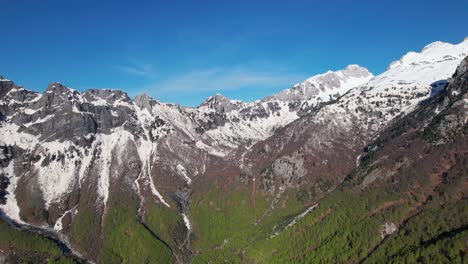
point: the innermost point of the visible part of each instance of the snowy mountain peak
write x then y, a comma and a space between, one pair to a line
435, 44
58, 88
352, 66
105, 97
331, 83
331, 78
145, 101
144, 96
108, 94
397, 91
218, 102
433, 53
5, 83
355, 70
215, 99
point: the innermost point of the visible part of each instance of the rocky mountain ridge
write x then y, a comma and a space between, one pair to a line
69, 157
310, 143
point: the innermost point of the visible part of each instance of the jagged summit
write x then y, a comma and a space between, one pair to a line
435, 52
322, 86
144, 96
350, 71
5, 87
463, 67
231, 122
3, 79
217, 98
56, 87
145, 101
110, 95
219, 103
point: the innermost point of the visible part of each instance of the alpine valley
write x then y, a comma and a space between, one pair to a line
345, 167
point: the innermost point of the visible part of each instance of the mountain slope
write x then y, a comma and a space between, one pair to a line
70, 156
306, 160
406, 201
327, 141
97, 168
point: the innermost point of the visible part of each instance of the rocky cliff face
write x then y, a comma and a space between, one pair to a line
324, 87
72, 158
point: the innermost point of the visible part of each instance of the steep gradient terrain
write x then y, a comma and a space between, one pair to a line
344, 167
404, 202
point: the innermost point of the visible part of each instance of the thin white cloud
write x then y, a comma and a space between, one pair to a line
222, 79
140, 70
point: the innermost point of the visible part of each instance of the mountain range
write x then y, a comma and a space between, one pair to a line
343, 167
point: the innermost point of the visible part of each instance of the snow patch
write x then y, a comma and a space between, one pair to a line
296, 219
182, 172
11, 208
153, 189
29, 111
58, 226
210, 150
40, 120
186, 222
58, 177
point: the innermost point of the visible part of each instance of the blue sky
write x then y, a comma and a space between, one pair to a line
184, 51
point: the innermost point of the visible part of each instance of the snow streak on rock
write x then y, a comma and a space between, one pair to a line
296, 219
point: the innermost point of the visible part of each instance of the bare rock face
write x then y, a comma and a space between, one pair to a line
286, 170
220, 104
12, 97
332, 83
5, 158
387, 229
144, 101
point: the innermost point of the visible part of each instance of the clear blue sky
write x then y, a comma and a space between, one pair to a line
183, 51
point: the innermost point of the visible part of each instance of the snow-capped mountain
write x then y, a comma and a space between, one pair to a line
306, 149
321, 88
64, 152
232, 122
76, 144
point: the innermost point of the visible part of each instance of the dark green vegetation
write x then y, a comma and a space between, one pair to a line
226, 223
437, 235
85, 228
26, 247
166, 223
126, 239
344, 228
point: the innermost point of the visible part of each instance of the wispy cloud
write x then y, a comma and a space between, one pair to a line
227, 78
140, 70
